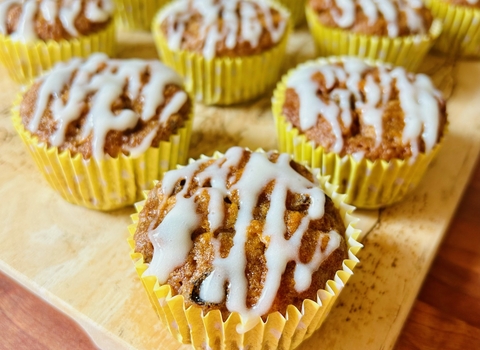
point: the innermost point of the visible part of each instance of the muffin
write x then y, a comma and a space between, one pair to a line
400, 32
461, 26
373, 128
228, 51
255, 256
101, 130
36, 34
137, 14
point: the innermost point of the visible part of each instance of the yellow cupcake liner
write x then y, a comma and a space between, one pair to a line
407, 51
209, 331
461, 29
224, 80
25, 60
297, 10
137, 14
367, 184
106, 184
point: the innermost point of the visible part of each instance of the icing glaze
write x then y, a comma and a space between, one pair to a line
171, 239
344, 14
241, 22
67, 11
418, 99
103, 88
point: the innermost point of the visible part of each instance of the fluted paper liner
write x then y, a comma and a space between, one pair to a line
224, 80
367, 184
106, 184
461, 28
285, 332
25, 60
406, 51
297, 10
137, 14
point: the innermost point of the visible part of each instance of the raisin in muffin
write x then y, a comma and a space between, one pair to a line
246, 233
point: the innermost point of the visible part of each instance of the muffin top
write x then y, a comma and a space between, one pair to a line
391, 18
105, 106
467, 3
53, 19
377, 112
223, 27
250, 232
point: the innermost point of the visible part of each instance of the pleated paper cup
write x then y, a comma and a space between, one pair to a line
224, 80
109, 183
406, 51
461, 29
367, 184
137, 14
26, 60
297, 10
209, 331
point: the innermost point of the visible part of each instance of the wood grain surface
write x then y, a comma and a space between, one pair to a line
445, 316
90, 277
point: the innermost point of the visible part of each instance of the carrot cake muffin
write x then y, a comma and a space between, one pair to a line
104, 106
217, 43
377, 29
373, 112
101, 109
380, 112
260, 236
25, 24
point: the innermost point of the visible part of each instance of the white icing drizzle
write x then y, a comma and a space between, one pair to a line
418, 99
244, 25
25, 28
67, 11
49, 10
146, 142
389, 9
339, 105
172, 241
420, 105
104, 88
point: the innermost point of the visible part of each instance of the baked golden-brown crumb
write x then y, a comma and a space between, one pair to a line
361, 134
79, 135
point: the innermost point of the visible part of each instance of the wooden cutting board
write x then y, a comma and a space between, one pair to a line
78, 259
